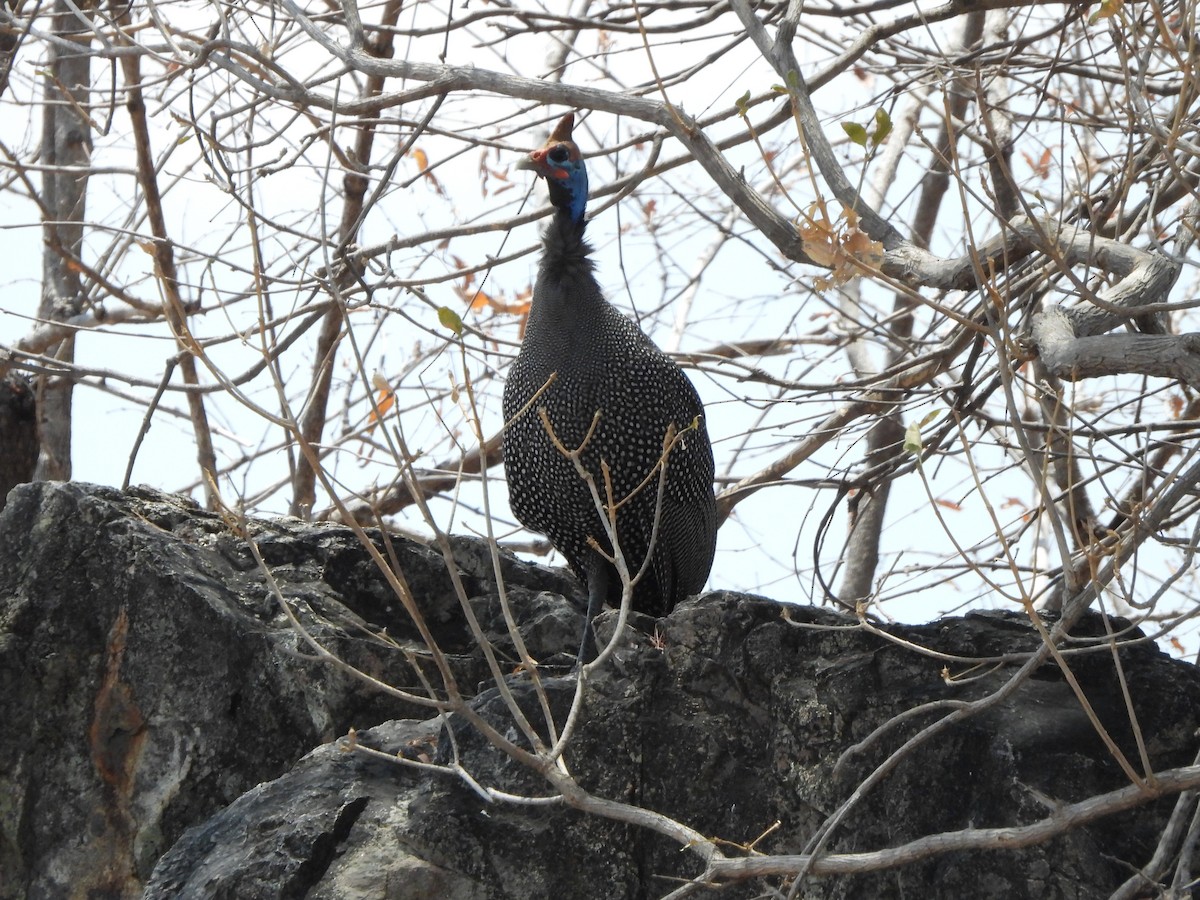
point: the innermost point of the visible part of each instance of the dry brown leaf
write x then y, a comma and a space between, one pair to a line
422, 159
841, 247
468, 277
1040, 166
481, 300
385, 399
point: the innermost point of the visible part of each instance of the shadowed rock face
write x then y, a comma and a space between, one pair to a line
18, 433
161, 719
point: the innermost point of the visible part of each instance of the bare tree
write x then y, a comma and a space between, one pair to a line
933, 271
66, 150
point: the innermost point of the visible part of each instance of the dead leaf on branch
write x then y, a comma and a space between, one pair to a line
838, 244
384, 399
487, 175
422, 159
479, 300
1041, 165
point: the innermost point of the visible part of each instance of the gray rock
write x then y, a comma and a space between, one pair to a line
148, 677
161, 719
18, 432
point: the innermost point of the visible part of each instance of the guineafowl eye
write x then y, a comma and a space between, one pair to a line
559, 154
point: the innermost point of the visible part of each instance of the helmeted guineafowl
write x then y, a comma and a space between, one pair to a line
601, 362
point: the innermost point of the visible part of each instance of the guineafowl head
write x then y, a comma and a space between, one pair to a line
561, 164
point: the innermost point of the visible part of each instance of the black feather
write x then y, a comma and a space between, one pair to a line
601, 361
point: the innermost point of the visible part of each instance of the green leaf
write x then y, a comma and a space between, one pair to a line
743, 104
855, 132
912, 439
883, 126
1107, 10
450, 319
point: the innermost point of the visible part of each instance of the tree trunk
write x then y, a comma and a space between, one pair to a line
66, 152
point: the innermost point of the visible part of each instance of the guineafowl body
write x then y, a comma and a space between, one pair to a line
581, 357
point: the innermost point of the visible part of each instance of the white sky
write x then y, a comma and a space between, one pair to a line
644, 262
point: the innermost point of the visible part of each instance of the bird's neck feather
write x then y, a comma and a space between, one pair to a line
567, 294
565, 246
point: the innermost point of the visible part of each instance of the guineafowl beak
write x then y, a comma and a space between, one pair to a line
532, 163
538, 160
540, 163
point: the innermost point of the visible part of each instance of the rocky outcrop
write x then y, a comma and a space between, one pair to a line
148, 677
18, 432
167, 731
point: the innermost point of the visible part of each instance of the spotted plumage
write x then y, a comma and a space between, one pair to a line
601, 361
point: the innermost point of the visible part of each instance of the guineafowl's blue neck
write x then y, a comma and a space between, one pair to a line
570, 197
